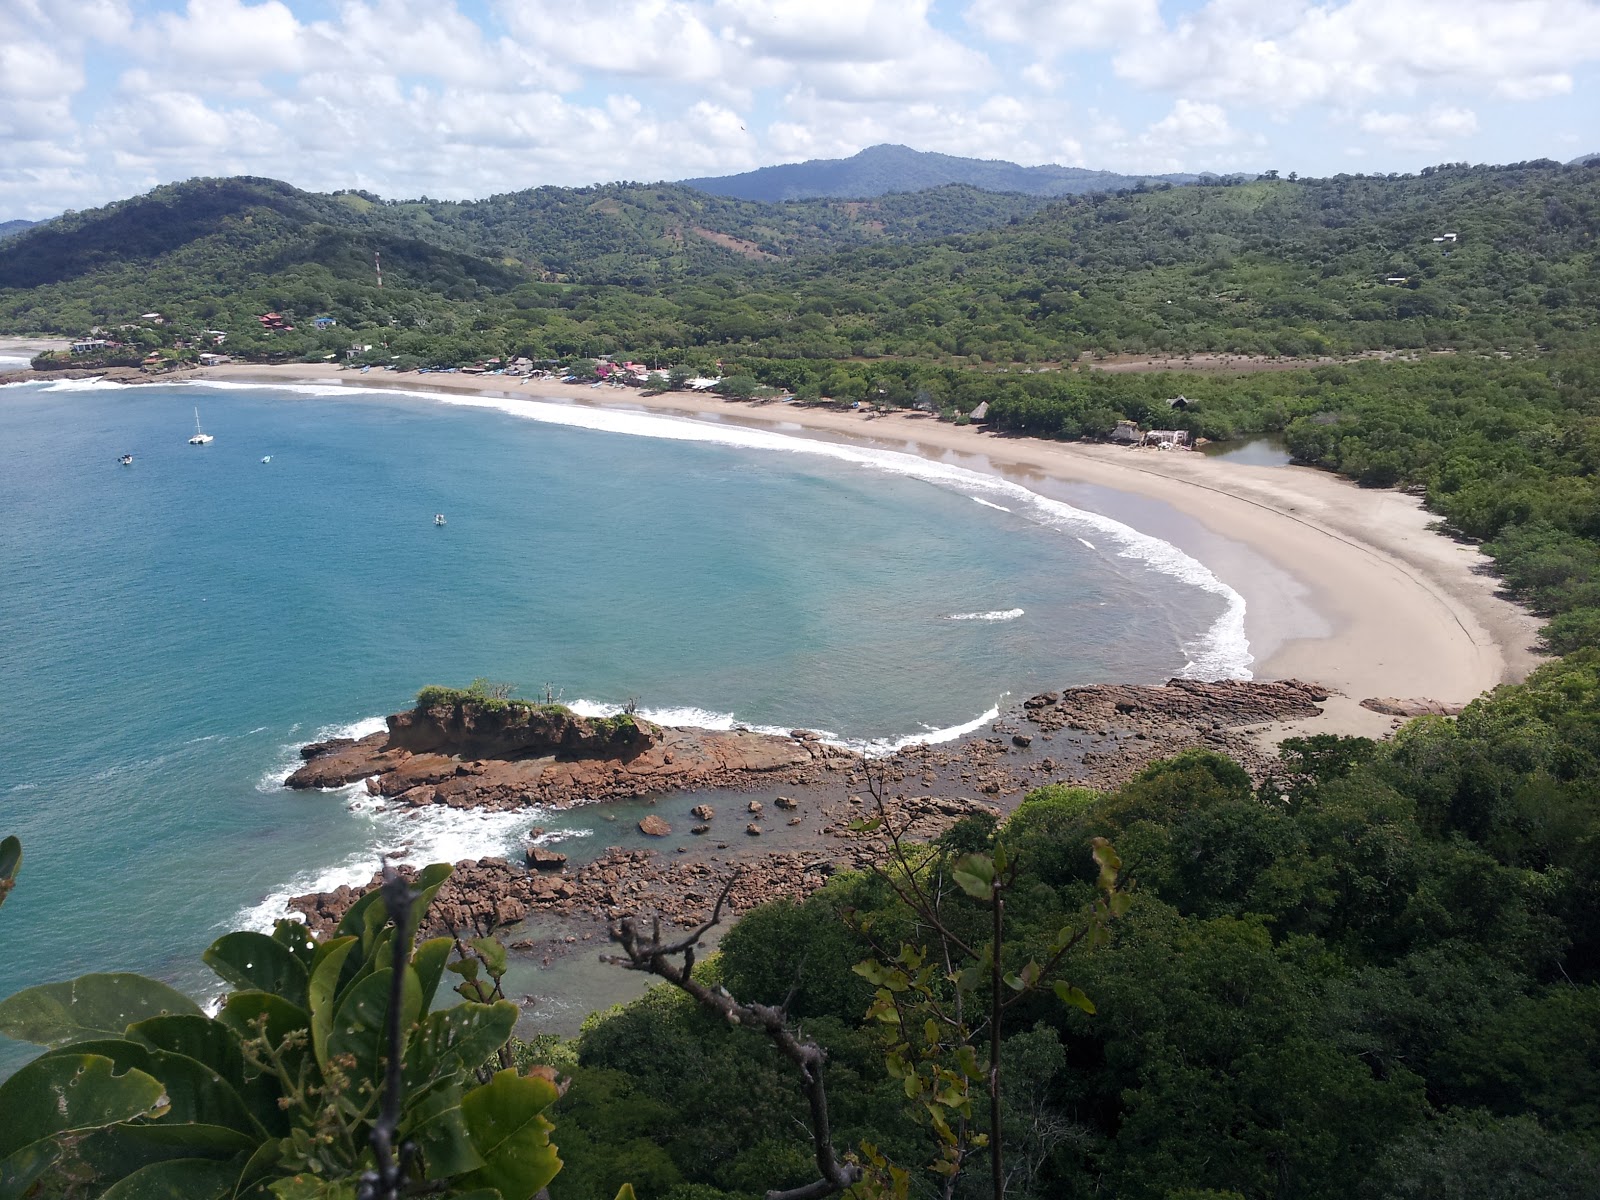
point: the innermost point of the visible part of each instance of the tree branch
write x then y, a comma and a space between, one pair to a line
647, 953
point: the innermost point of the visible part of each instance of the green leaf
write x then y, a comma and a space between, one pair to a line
867, 825
436, 1126
873, 971
58, 1014
67, 1093
625, 1192
176, 1179
194, 1092
296, 938
461, 1037
428, 961
214, 1044
974, 874
1073, 996
324, 984
10, 863
255, 962
312, 1187
494, 955
360, 1027
20, 1171
508, 1128
123, 1149
467, 968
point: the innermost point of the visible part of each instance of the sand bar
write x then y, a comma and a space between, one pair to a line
1404, 611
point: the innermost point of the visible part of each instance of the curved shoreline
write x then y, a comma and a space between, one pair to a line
1409, 613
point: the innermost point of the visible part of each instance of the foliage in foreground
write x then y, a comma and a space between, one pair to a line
285, 1092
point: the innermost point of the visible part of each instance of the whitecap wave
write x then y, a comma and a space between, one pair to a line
1087, 543
879, 747
687, 717
1221, 652
989, 503
425, 835
289, 753
999, 614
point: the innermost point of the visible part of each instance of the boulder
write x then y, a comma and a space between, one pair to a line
702, 812
654, 826
753, 829
545, 860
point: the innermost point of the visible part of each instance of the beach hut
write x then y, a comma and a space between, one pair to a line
1126, 433
980, 412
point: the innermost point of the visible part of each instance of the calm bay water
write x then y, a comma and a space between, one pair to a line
170, 632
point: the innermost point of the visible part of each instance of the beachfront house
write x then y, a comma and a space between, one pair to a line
1127, 433
89, 345
1166, 439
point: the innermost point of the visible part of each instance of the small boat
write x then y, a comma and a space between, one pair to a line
438, 518
126, 460
199, 439
266, 458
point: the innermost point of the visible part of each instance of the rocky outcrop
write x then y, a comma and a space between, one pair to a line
1389, 706
654, 826
1226, 704
465, 756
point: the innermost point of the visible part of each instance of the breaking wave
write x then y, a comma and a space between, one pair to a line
1002, 614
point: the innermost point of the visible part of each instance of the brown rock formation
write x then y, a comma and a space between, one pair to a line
654, 826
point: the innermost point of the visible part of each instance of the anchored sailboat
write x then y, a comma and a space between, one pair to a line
199, 439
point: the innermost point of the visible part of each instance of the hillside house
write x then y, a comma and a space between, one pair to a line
89, 345
274, 322
324, 322
1178, 403
1397, 280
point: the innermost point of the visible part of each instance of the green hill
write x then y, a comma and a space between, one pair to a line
879, 170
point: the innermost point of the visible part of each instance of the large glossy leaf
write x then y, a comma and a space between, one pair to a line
10, 862
297, 939
123, 1149
360, 1027
428, 961
324, 985
66, 1093
214, 1044
58, 1014
312, 1187
256, 962
20, 1171
506, 1117
435, 1125
452, 1038
194, 1092
176, 1179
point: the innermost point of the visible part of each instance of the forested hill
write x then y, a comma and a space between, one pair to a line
878, 170
1491, 258
621, 233
12, 228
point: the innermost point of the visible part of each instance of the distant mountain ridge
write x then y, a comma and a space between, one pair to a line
1583, 160
878, 170
12, 228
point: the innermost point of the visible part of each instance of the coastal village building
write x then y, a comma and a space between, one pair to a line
89, 345
1166, 439
1127, 433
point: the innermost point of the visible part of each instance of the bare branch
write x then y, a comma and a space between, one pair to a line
647, 953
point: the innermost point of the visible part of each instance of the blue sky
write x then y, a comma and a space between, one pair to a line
101, 99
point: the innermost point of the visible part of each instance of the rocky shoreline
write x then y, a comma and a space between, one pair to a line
700, 780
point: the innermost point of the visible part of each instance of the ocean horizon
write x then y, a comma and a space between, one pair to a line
175, 629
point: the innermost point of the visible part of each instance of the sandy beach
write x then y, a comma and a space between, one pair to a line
1345, 586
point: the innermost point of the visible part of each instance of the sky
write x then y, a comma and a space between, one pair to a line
103, 99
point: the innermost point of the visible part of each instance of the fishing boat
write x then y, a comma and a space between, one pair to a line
126, 460
199, 439
438, 518
266, 458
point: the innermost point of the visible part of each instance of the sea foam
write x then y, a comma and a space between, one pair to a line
1221, 652
999, 614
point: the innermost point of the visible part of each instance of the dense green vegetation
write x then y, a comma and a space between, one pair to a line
1270, 266
1378, 976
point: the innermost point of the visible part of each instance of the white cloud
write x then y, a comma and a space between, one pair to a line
1421, 130
1287, 53
1053, 26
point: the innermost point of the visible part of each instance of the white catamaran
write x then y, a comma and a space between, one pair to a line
199, 439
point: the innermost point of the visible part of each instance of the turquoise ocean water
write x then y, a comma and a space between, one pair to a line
171, 631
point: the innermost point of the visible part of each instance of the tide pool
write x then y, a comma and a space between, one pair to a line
173, 630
